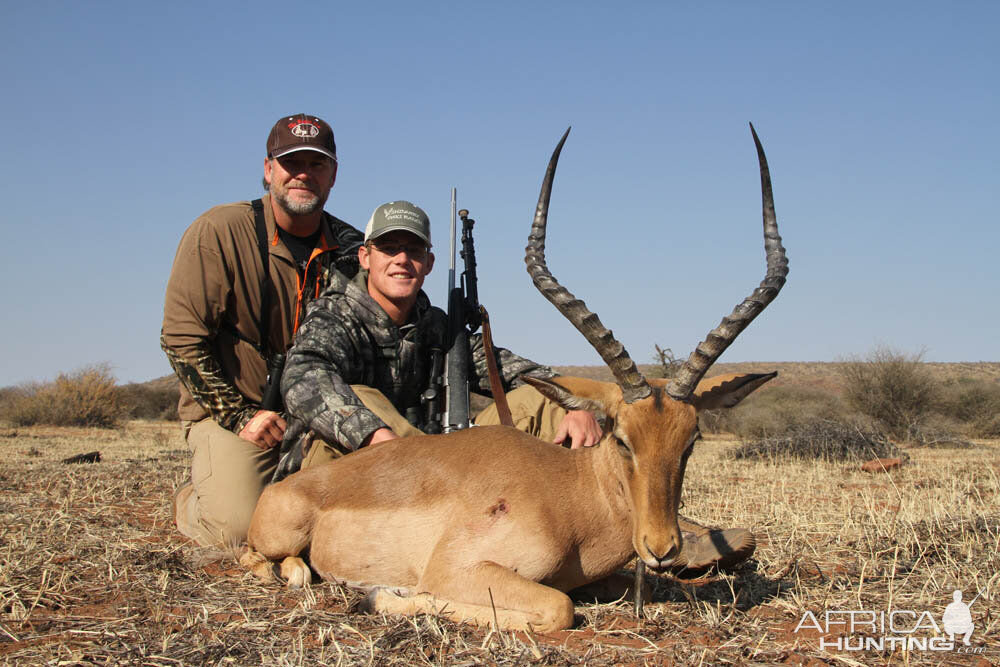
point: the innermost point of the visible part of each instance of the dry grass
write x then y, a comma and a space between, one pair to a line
91, 570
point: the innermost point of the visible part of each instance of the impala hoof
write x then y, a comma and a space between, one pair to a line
295, 572
369, 604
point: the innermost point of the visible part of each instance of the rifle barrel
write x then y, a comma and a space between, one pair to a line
451, 262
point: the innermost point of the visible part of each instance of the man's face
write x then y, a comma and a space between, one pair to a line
300, 182
397, 264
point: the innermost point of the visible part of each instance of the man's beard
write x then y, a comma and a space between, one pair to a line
298, 206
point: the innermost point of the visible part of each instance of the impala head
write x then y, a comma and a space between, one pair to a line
651, 426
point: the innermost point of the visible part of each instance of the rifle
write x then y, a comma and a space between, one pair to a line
449, 371
463, 320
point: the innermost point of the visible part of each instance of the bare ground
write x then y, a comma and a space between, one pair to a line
92, 571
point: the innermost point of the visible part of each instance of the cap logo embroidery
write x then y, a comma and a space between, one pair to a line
303, 129
395, 213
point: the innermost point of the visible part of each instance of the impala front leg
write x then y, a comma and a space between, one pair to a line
484, 594
293, 569
280, 531
295, 572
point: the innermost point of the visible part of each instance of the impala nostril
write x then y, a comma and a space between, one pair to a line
662, 559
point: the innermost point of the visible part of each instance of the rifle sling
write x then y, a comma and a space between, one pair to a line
499, 396
265, 281
262, 346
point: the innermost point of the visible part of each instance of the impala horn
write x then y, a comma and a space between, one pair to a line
631, 381
722, 336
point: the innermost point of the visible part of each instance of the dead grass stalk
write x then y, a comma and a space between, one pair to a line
92, 571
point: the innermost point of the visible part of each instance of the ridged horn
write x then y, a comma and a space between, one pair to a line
722, 336
631, 381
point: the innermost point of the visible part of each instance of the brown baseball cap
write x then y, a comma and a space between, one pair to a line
301, 132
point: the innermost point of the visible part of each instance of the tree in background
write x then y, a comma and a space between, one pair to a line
87, 397
894, 389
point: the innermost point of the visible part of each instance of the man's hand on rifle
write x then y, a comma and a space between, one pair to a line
580, 427
265, 429
380, 435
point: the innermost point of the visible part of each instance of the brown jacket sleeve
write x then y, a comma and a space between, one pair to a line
198, 292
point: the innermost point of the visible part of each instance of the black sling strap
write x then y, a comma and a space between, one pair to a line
265, 281
263, 347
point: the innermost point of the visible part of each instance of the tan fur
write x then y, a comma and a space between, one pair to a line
489, 523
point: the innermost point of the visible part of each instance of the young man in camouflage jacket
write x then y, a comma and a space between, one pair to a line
212, 322
362, 357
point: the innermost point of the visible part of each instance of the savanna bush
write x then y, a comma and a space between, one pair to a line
774, 411
894, 389
820, 439
667, 365
146, 402
973, 403
87, 397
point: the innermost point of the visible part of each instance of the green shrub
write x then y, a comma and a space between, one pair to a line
894, 389
87, 397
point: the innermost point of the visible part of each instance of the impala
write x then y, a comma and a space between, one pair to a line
491, 524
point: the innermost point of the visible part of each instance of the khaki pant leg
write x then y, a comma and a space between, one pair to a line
323, 452
228, 475
532, 413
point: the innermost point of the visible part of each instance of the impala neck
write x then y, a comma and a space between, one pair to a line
606, 540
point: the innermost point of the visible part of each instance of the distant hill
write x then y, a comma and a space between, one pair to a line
819, 374
165, 382
822, 375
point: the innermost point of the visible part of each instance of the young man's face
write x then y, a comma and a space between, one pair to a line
397, 264
300, 182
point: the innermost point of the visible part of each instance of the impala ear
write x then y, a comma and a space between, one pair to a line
725, 391
573, 393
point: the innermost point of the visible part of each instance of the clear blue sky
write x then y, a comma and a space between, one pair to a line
124, 121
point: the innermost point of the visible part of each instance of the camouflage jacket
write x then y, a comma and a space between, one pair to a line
346, 338
211, 316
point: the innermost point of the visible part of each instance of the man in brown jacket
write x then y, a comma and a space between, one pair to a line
224, 318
